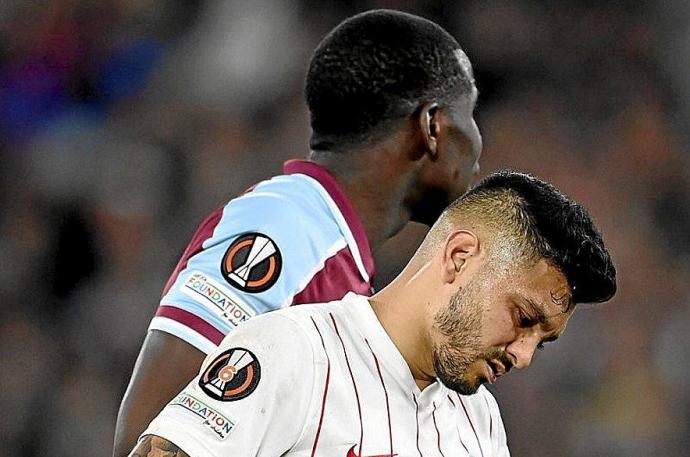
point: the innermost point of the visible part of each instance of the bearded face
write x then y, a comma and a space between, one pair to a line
497, 321
459, 358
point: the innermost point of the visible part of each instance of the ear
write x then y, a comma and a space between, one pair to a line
460, 255
430, 126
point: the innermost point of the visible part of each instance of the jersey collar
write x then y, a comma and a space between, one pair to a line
332, 188
360, 312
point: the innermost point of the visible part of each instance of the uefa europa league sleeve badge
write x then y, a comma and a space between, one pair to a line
252, 263
233, 375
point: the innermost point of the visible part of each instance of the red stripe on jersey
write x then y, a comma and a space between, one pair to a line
385, 392
330, 184
325, 390
338, 276
202, 234
462, 442
416, 406
459, 436
438, 435
192, 321
354, 385
491, 419
471, 425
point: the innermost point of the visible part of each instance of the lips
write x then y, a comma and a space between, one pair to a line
496, 370
490, 373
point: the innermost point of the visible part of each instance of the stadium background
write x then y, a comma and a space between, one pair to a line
123, 123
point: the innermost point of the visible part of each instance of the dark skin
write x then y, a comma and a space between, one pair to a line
148, 392
435, 153
422, 165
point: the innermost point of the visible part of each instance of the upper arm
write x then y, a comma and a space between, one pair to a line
251, 397
258, 253
148, 392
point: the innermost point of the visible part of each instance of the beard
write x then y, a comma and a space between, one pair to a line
459, 325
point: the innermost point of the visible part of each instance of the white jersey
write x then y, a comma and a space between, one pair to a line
323, 380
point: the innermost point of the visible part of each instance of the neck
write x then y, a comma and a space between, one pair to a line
376, 182
401, 310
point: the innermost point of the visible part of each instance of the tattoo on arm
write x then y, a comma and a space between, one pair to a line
155, 446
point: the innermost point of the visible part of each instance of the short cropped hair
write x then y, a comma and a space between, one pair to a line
543, 223
374, 69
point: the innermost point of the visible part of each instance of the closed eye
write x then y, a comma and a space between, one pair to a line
523, 319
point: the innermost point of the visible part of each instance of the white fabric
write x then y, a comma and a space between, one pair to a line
183, 332
322, 393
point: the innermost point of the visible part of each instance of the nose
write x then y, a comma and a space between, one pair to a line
522, 350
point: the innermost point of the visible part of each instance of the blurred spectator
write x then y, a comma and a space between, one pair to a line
123, 123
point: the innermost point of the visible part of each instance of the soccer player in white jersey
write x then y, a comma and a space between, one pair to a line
391, 97
401, 373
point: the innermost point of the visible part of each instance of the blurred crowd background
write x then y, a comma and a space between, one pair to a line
123, 123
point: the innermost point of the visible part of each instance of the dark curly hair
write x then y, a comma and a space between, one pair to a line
374, 69
550, 226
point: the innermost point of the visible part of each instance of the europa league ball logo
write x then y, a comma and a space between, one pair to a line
252, 263
232, 375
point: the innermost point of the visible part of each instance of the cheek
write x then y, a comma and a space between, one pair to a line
497, 328
436, 175
462, 172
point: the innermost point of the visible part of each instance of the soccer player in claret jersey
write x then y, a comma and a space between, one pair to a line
497, 276
391, 97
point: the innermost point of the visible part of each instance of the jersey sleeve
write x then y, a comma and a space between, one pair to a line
251, 397
250, 257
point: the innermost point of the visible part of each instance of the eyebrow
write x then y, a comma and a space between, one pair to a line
537, 310
566, 299
541, 318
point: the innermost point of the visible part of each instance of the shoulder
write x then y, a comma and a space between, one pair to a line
279, 349
300, 327
269, 331
289, 209
284, 193
292, 332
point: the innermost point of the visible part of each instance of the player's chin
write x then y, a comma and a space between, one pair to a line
464, 385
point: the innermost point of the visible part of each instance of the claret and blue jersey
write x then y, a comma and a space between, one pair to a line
292, 239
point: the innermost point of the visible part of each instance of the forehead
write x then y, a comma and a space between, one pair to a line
464, 100
544, 278
546, 287
464, 104
465, 64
